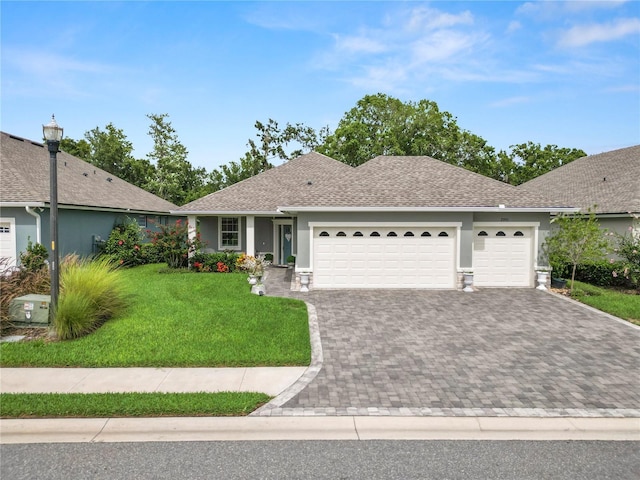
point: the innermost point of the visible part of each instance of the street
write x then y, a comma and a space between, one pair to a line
333, 460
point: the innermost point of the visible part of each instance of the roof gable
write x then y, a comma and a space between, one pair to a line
274, 187
610, 180
25, 179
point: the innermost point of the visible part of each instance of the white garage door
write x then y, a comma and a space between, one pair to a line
8, 241
389, 257
502, 257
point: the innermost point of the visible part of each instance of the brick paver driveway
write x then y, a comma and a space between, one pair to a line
492, 350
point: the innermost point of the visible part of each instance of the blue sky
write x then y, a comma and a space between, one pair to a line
563, 73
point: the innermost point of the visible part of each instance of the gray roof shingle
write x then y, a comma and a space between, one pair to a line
418, 182
24, 177
610, 180
274, 187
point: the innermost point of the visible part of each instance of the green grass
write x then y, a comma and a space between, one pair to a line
614, 302
91, 405
182, 320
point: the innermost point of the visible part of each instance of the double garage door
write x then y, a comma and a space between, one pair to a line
384, 257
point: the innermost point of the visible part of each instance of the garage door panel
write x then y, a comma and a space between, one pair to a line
502, 260
384, 261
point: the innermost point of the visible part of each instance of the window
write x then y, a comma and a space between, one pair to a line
324, 234
483, 234
5, 229
518, 234
358, 234
142, 221
392, 234
501, 234
230, 233
425, 234
374, 234
341, 234
443, 234
408, 234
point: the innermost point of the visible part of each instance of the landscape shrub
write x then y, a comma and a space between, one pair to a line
124, 244
173, 244
602, 273
91, 292
627, 247
34, 258
222, 262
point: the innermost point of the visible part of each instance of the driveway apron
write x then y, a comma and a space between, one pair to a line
491, 352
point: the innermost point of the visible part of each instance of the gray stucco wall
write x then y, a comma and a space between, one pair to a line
76, 228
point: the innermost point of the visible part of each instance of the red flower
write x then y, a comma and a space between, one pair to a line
120, 242
136, 247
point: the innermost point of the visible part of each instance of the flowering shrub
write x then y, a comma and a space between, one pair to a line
124, 244
223, 262
173, 244
252, 265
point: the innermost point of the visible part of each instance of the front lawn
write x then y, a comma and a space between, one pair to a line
615, 302
90, 405
182, 320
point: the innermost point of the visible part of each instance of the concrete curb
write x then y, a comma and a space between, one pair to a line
167, 429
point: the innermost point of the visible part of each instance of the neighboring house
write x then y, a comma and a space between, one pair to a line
610, 181
90, 201
393, 222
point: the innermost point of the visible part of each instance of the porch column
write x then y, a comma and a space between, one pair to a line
251, 235
191, 230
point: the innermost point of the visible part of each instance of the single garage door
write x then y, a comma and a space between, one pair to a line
8, 241
389, 257
502, 257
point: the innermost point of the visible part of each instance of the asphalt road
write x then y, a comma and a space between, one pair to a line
335, 460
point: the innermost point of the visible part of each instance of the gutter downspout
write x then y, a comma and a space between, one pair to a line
36, 215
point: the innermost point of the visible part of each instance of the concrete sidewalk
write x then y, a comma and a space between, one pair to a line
269, 380
173, 429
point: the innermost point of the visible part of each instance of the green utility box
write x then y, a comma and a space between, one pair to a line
31, 310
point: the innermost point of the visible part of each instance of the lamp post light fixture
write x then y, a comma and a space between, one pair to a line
53, 134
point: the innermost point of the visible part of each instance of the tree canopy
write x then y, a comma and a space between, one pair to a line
377, 125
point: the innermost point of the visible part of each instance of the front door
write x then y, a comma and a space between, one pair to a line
286, 238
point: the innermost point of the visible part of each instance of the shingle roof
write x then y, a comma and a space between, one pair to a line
274, 187
610, 180
418, 182
24, 177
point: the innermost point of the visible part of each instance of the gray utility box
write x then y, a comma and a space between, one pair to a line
30, 310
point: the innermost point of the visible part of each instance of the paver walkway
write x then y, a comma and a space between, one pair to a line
514, 352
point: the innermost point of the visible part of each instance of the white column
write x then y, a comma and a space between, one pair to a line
251, 235
191, 230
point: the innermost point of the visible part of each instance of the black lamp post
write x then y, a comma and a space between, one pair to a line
53, 135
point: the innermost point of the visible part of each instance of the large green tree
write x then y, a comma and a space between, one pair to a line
175, 179
531, 160
383, 125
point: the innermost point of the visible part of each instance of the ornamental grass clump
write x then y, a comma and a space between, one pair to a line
91, 292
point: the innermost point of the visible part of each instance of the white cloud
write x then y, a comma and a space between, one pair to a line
581, 35
358, 44
432, 19
513, 26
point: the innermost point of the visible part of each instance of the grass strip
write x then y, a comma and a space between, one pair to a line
92, 405
182, 320
614, 302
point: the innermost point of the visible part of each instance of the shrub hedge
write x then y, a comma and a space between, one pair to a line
603, 273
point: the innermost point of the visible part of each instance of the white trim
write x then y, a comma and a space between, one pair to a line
36, 215
250, 227
293, 209
22, 204
506, 224
227, 247
228, 213
385, 224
